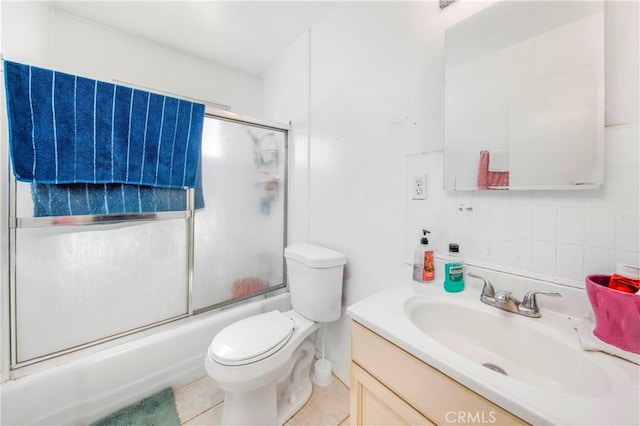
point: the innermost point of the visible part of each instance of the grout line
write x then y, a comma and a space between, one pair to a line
199, 414
342, 422
341, 382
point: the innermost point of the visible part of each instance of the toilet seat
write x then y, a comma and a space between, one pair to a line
252, 339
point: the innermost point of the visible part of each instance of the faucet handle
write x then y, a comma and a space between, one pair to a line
487, 288
529, 301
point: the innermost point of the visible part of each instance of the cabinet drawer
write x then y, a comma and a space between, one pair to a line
435, 395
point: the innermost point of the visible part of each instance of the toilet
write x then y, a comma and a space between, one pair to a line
263, 362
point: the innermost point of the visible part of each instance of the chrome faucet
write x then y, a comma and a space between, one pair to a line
506, 301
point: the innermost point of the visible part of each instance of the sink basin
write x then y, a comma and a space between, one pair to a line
524, 349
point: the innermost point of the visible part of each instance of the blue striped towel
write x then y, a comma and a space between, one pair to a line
90, 147
108, 198
69, 129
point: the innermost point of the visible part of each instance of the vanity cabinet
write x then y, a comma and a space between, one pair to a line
390, 387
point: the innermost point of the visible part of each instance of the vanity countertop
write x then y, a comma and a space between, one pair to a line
616, 403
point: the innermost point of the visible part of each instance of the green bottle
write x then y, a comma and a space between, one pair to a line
453, 270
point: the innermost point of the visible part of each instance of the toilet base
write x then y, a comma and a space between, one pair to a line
250, 408
274, 403
288, 406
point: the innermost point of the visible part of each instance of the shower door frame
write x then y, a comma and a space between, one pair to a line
8, 298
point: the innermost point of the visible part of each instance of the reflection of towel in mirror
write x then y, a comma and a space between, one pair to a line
498, 160
488, 179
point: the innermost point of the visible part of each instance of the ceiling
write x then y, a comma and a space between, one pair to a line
244, 35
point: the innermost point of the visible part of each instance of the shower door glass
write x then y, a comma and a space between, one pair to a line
240, 234
79, 284
78, 281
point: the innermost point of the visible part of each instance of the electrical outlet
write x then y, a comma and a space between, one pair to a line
419, 187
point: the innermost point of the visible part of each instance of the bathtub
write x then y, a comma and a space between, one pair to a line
90, 387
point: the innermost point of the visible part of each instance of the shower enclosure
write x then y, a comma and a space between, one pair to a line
76, 281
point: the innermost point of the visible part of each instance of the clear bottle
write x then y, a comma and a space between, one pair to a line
453, 270
423, 261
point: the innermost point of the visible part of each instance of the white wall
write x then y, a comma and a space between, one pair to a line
81, 47
376, 106
25, 32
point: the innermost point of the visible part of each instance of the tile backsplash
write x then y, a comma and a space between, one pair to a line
559, 236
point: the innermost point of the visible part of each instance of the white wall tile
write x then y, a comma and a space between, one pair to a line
570, 262
626, 141
627, 230
499, 249
449, 209
465, 240
500, 217
600, 228
598, 261
464, 219
605, 197
610, 146
544, 257
521, 220
628, 257
570, 225
446, 236
481, 218
628, 187
571, 199
545, 198
544, 222
520, 253
481, 247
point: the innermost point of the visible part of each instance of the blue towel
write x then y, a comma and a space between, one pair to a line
69, 129
108, 198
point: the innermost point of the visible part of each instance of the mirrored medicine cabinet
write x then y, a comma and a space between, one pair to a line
524, 97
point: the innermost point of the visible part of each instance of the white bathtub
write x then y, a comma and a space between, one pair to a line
93, 386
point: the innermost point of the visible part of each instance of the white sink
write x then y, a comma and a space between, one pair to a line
550, 378
525, 349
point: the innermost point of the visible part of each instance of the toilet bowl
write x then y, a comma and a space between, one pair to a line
276, 354
263, 362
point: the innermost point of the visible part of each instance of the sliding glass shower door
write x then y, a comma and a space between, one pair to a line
240, 234
80, 280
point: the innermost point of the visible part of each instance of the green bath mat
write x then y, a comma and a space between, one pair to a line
157, 410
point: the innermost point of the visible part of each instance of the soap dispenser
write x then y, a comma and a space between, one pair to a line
423, 261
453, 270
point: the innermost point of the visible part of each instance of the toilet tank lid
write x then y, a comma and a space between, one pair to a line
315, 256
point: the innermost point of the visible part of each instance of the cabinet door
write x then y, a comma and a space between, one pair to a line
372, 403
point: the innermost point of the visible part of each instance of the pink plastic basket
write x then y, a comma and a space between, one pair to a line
617, 314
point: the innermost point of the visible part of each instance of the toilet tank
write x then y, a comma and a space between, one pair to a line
314, 275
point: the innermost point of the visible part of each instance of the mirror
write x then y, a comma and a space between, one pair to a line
524, 97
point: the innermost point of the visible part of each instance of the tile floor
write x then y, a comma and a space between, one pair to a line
200, 403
